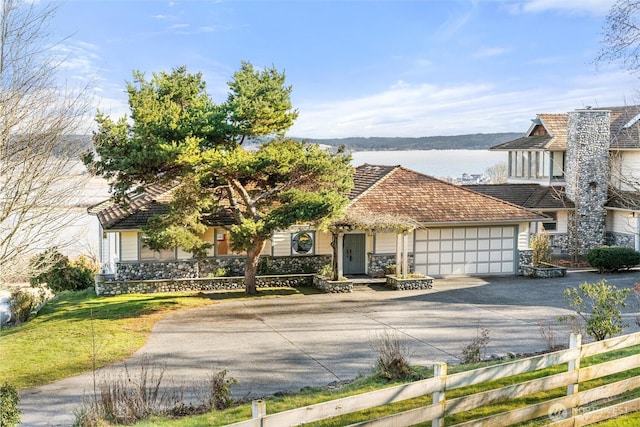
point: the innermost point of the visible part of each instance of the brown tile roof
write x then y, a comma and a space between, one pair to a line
388, 190
367, 175
428, 200
530, 196
625, 131
154, 201
141, 207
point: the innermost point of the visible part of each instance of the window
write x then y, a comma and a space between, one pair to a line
223, 243
557, 161
551, 226
302, 243
544, 165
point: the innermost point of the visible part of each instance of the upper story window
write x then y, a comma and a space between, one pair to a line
536, 164
557, 162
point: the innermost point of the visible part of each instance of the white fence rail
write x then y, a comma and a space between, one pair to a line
568, 410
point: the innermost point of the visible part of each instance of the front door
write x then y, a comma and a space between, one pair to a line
353, 259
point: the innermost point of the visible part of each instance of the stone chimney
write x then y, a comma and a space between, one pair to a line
586, 176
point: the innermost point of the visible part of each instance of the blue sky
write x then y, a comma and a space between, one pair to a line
361, 68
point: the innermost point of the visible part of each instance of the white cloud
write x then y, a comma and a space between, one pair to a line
431, 110
595, 7
490, 52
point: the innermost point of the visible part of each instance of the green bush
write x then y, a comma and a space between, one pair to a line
61, 274
9, 411
598, 305
608, 259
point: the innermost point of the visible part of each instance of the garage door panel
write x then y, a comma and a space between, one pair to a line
466, 250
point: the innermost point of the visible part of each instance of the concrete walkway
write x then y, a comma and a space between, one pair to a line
281, 344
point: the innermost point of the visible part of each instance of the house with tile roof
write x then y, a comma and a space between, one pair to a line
395, 216
581, 168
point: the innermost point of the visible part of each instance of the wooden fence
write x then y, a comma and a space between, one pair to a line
575, 408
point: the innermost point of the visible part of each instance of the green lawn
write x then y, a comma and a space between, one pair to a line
63, 339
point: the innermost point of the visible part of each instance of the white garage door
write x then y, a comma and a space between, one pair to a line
465, 250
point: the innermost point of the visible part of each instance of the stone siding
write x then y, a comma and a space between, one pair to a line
621, 239
226, 266
586, 175
524, 258
115, 287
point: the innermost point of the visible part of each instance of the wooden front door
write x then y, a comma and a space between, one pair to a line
353, 259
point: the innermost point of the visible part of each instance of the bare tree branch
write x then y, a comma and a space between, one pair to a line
40, 174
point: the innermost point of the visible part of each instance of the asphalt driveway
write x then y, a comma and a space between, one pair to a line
281, 344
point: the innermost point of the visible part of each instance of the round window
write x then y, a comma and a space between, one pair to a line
302, 242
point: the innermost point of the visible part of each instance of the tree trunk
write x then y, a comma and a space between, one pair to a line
251, 267
334, 256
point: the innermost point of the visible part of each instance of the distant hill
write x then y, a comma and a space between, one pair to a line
477, 141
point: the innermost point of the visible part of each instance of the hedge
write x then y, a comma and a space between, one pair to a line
609, 259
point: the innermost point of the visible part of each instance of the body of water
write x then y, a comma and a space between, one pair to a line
436, 163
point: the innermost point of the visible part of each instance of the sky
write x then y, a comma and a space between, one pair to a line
404, 68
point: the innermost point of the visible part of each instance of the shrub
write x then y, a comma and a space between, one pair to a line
9, 411
217, 391
476, 350
25, 301
598, 305
390, 269
609, 259
392, 362
61, 274
134, 396
326, 271
540, 249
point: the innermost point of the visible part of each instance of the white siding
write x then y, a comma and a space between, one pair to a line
281, 243
323, 243
385, 243
129, 245
562, 222
625, 170
523, 236
621, 222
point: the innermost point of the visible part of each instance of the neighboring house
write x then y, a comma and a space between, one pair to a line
582, 169
444, 229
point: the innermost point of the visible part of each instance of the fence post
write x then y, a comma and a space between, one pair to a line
439, 371
258, 409
575, 341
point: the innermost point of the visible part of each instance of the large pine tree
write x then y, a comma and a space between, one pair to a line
176, 134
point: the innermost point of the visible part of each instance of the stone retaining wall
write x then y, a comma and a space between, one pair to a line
226, 266
378, 263
332, 286
399, 284
543, 272
117, 287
